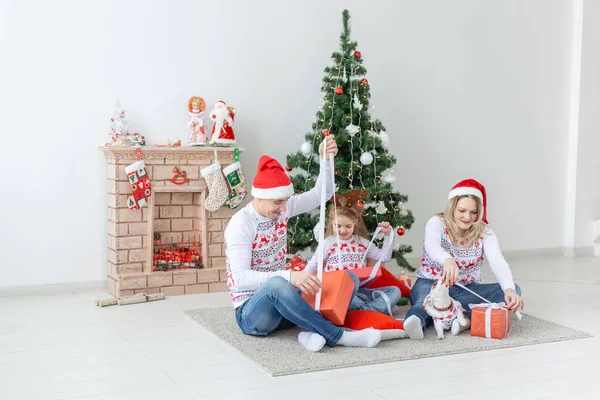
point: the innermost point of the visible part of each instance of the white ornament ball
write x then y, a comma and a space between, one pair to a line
366, 158
306, 148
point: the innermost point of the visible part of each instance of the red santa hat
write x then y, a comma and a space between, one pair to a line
471, 187
271, 182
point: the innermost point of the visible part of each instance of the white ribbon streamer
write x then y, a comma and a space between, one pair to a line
321, 247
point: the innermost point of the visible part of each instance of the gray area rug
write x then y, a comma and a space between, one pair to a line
281, 354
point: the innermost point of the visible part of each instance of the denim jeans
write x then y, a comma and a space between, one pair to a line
371, 299
491, 291
278, 305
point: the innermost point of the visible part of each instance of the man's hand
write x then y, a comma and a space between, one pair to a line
513, 300
331, 146
450, 273
307, 283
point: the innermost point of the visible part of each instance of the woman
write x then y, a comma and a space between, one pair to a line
456, 242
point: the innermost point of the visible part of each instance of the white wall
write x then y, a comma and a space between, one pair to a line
464, 89
588, 162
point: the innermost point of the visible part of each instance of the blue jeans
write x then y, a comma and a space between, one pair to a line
370, 299
491, 291
278, 305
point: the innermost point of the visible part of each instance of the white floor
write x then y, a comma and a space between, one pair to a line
55, 344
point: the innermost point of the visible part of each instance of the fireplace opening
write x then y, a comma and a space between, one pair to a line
179, 229
176, 256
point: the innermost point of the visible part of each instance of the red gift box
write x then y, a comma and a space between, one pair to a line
364, 273
296, 263
336, 292
490, 320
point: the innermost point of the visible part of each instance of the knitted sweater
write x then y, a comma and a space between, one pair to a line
438, 248
256, 246
352, 253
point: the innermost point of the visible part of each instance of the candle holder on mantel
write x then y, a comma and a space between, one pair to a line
175, 211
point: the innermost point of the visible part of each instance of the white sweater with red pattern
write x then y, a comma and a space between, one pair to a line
351, 254
256, 246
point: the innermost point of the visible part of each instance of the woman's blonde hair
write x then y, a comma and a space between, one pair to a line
476, 231
351, 212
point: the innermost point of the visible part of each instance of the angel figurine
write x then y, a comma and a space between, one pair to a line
119, 134
197, 131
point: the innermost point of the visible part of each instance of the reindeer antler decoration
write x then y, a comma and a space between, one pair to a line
350, 198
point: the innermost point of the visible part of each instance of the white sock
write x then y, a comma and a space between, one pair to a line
312, 341
364, 338
456, 328
413, 327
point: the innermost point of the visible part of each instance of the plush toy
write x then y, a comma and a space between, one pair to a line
447, 313
222, 132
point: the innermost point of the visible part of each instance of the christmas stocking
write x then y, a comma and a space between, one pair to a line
217, 186
236, 181
139, 181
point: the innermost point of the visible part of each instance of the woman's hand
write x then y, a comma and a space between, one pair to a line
307, 283
331, 146
385, 228
513, 300
450, 273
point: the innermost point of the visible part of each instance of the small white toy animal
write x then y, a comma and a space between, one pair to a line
447, 313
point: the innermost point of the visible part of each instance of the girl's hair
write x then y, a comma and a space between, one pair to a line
477, 230
351, 212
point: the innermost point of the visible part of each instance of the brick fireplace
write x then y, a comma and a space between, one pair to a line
175, 215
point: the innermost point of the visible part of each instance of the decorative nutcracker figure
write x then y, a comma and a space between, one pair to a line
222, 131
196, 130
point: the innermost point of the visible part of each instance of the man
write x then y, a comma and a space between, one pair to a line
266, 297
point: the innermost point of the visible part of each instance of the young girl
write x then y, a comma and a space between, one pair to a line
456, 242
354, 251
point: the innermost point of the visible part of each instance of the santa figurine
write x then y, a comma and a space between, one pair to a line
222, 132
196, 130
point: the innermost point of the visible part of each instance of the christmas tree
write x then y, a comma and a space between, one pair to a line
363, 160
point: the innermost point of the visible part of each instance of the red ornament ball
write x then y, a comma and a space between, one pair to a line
360, 204
326, 132
288, 168
364, 81
339, 90
357, 54
337, 171
401, 231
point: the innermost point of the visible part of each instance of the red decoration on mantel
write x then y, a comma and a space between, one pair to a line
179, 178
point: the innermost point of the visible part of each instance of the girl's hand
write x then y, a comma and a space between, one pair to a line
385, 228
513, 300
450, 273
